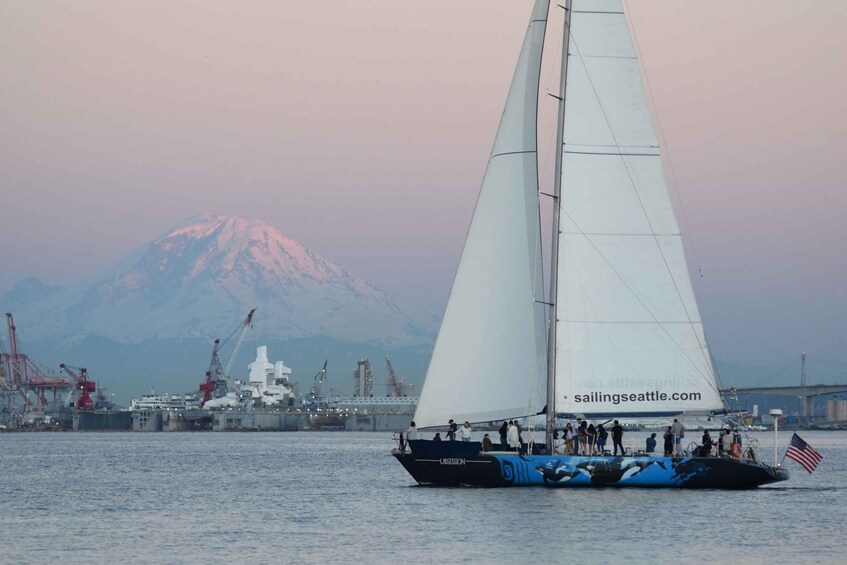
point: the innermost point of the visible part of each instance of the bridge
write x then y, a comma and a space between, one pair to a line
805, 393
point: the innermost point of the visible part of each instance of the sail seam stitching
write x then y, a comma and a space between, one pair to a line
621, 322
602, 56
512, 153
568, 232
612, 153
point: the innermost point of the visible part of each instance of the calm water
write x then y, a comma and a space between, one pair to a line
321, 497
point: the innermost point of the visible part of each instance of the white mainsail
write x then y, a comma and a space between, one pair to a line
489, 359
629, 336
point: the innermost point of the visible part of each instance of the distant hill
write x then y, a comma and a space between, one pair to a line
160, 308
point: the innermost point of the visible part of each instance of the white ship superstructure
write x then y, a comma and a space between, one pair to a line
153, 401
270, 383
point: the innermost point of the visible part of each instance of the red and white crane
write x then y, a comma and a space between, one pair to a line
83, 386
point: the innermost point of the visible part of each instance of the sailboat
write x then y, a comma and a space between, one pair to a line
620, 334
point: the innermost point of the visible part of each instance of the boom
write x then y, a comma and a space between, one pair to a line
247, 323
215, 385
393, 381
319, 381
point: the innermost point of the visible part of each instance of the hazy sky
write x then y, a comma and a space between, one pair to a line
361, 129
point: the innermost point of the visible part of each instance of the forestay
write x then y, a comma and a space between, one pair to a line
629, 335
489, 358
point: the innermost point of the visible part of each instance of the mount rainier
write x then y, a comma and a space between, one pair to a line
197, 281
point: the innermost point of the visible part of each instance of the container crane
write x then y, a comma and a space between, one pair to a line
27, 376
393, 382
82, 385
215, 385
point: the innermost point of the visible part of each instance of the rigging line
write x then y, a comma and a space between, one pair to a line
718, 379
662, 137
638, 298
638, 196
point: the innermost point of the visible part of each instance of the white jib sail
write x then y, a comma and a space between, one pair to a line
629, 335
489, 358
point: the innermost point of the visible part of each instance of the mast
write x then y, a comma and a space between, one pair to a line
554, 249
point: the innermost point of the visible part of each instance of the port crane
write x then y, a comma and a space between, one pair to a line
319, 381
26, 376
82, 385
314, 400
394, 384
215, 385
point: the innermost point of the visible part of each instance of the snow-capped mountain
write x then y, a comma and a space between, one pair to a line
201, 278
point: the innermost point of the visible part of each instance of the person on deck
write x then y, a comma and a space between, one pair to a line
576, 431
437, 436
678, 433
514, 441
706, 450
617, 437
669, 441
465, 432
451, 430
720, 443
651, 444
727, 443
412, 432
583, 437
736, 438
486, 443
569, 438
602, 436
592, 438
504, 432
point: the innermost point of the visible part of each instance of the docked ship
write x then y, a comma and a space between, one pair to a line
153, 401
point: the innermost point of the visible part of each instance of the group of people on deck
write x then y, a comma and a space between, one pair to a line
584, 438
728, 444
673, 439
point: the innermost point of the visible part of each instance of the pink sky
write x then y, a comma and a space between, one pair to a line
361, 129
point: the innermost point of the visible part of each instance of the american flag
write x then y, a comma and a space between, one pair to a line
803, 453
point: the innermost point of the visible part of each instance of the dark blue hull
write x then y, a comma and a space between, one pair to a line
462, 464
